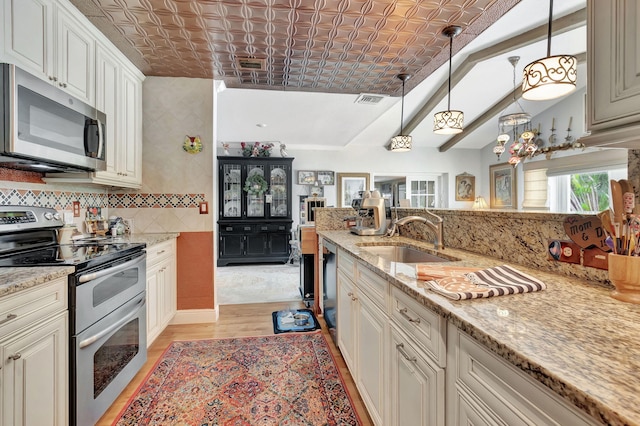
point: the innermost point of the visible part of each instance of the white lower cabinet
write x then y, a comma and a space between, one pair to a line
34, 352
161, 287
416, 384
484, 389
346, 318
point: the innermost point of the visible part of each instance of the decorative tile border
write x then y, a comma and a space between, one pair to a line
156, 201
62, 200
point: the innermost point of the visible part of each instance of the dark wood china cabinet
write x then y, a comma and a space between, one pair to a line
254, 202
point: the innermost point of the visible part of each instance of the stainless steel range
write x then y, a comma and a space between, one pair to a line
107, 310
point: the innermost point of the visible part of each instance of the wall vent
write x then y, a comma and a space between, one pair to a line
252, 64
363, 98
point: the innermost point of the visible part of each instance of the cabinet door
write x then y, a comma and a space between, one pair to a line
154, 284
169, 296
28, 27
613, 97
416, 385
130, 144
371, 344
107, 101
35, 375
279, 176
346, 321
256, 244
230, 190
75, 57
279, 243
231, 245
256, 181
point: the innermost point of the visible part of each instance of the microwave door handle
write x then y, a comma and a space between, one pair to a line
109, 271
100, 139
134, 312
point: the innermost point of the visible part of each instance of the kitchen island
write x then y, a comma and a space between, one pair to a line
572, 338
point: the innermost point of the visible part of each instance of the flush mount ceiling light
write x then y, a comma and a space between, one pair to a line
401, 143
550, 77
449, 122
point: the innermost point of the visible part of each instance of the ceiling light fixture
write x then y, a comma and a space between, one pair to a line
401, 143
449, 122
517, 117
550, 77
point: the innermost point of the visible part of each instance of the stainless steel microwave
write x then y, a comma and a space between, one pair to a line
45, 129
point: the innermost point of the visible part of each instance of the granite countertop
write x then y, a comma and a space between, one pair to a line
13, 280
572, 337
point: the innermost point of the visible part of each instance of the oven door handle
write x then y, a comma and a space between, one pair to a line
134, 312
109, 271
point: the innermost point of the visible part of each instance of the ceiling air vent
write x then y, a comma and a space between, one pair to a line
368, 99
252, 64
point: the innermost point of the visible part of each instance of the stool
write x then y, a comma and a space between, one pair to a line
295, 253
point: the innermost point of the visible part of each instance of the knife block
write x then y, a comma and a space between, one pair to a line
624, 274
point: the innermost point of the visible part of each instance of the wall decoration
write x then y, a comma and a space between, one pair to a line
306, 177
256, 149
325, 177
349, 187
192, 144
465, 187
502, 178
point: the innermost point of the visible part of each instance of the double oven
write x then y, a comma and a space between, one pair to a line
107, 303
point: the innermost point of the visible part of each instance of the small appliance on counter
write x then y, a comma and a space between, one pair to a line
372, 206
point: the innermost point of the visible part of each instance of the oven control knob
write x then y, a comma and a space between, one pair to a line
48, 216
56, 216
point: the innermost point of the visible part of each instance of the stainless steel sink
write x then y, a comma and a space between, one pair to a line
403, 254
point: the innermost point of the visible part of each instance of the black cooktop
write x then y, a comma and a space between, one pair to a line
82, 254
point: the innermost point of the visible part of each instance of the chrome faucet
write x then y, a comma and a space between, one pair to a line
435, 227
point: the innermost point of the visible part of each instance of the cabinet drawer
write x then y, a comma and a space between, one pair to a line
509, 393
236, 229
271, 227
346, 263
160, 251
29, 306
425, 326
373, 285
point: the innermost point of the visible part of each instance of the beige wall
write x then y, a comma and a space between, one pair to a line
173, 108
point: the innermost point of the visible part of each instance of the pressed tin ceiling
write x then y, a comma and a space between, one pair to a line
334, 46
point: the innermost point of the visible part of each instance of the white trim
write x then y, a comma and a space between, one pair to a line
195, 316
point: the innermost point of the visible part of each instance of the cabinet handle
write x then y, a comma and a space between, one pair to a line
15, 357
160, 252
353, 298
54, 78
8, 318
403, 312
400, 348
62, 84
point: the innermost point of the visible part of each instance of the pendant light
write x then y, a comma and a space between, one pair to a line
449, 122
550, 77
401, 143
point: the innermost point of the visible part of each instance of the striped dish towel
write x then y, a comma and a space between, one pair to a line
496, 281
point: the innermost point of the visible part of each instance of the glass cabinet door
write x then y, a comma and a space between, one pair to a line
232, 195
256, 185
278, 190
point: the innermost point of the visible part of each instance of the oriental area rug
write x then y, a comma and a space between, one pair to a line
286, 379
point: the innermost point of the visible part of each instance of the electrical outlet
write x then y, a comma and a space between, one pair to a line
204, 207
76, 208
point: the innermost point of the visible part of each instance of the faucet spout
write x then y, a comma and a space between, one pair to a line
435, 227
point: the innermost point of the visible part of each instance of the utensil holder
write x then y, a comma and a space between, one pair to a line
624, 274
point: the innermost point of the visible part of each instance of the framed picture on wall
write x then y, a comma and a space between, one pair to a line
306, 177
465, 187
502, 186
350, 186
325, 177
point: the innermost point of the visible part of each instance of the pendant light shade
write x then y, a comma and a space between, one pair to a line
449, 122
550, 77
401, 143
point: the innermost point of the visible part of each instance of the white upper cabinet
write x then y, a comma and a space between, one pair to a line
613, 83
51, 42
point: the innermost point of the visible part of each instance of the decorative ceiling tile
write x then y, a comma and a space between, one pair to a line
343, 46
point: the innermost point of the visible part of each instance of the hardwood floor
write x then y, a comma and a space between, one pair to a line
234, 321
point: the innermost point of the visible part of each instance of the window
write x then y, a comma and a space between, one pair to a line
585, 192
422, 193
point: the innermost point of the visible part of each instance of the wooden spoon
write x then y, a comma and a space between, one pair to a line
627, 188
